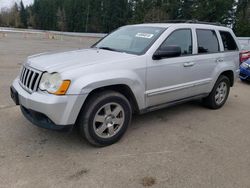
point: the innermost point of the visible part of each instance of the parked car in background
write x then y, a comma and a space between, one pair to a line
245, 53
245, 70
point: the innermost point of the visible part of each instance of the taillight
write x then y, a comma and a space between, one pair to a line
244, 56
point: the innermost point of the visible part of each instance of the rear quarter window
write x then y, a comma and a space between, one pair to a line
228, 41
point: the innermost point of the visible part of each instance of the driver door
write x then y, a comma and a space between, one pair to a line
168, 79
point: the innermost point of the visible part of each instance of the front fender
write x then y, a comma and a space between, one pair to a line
85, 84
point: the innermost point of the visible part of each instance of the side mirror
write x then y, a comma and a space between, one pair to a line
166, 52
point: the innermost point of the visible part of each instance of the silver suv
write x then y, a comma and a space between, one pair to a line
135, 69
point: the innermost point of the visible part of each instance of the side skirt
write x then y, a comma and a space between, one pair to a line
172, 103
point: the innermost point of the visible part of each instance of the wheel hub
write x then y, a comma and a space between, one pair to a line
221, 93
110, 120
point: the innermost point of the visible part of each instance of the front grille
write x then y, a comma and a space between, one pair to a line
29, 79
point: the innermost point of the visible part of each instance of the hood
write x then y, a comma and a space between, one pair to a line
59, 62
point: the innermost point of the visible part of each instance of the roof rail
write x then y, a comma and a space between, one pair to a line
203, 22
193, 22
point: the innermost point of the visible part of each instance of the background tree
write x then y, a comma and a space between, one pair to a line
11, 17
107, 15
23, 16
242, 22
61, 19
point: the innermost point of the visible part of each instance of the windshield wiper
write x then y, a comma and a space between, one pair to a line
108, 48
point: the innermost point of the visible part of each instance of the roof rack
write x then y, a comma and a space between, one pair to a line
194, 22
203, 22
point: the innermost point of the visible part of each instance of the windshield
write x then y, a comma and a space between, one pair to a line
131, 39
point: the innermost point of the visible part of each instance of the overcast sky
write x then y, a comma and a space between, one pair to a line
8, 3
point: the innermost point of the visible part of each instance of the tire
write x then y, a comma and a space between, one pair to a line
105, 118
221, 89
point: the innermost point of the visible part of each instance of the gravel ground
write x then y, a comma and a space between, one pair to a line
182, 146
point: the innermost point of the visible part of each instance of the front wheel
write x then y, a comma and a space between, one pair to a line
105, 118
218, 97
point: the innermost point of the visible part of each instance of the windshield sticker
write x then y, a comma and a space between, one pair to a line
144, 35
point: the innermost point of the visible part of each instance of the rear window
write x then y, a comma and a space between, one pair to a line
207, 41
228, 41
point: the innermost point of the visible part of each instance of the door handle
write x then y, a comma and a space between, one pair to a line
219, 60
189, 64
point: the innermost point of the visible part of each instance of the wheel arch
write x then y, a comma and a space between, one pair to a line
123, 89
230, 75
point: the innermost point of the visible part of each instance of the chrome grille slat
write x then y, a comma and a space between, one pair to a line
24, 73
29, 79
37, 81
21, 75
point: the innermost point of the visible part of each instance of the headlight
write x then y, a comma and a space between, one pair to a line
245, 65
54, 84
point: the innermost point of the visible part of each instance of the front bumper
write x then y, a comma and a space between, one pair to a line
43, 121
244, 74
56, 110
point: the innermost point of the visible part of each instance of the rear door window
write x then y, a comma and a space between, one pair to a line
207, 41
228, 41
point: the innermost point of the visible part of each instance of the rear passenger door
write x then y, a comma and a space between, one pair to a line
207, 56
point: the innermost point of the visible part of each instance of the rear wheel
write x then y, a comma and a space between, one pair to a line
105, 118
218, 97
